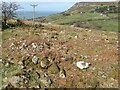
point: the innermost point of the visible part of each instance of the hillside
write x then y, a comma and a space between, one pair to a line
57, 49
84, 15
65, 50
86, 6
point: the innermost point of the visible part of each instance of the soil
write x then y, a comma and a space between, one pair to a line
64, 46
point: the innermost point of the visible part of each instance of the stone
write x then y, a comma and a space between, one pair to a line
5, 79
20, 63
46, 81
44, 63
53, 69
82, 65
35, 59
8, 86
14, 80
0, 60
41, 47
36, 75
34, 46
62, 73
76, 37
7, 64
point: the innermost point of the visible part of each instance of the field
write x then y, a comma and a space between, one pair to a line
87, 20
47, 53
59, 47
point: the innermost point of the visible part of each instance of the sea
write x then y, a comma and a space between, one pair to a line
29, 14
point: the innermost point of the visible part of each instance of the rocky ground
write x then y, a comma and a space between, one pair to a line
46, 56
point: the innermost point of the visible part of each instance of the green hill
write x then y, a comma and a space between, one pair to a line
85, 16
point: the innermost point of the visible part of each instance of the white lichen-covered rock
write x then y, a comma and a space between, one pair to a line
62, 73
82, 64
34, 46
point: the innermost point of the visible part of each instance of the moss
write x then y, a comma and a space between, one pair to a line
53, 69
113, 73
12, 70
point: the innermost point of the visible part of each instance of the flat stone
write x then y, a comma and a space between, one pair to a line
82, 65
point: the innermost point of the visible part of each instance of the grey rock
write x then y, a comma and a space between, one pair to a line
35, 59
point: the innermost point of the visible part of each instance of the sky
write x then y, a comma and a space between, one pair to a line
49, 5
46, 6
54, 0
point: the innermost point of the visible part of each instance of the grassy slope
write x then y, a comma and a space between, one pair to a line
94, 19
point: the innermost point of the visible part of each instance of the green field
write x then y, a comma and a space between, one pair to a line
89, 20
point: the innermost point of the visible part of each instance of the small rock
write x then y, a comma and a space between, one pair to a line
5, 79
50, 59
8, 87
76, 37
7, 64
14, 80
20, 63
36, 75
46, 81
82, 64
45, 63
34, 46
35, 59
0, 60
67, 58
53, 69
41, 47
62, 73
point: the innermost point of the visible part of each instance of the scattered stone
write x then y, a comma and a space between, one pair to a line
84, 56
22, 46
82, 64
35, 59
62, 73
53, 69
